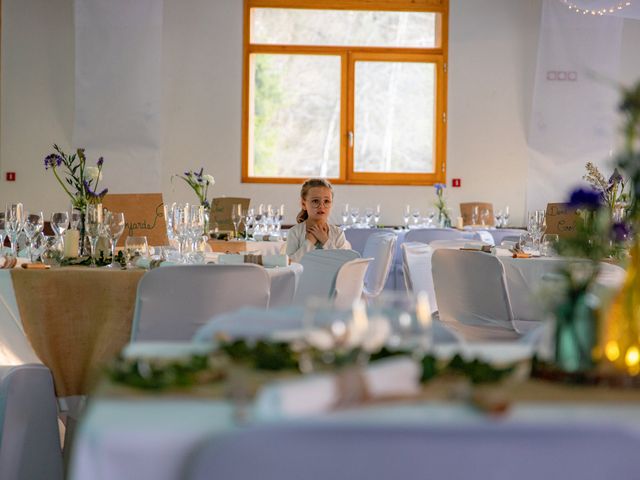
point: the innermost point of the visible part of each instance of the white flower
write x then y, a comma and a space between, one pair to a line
209, 179
93, 173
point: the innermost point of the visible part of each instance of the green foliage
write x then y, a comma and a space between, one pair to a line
268, 97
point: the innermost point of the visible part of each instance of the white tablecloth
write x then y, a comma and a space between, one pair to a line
266, 248
153, 439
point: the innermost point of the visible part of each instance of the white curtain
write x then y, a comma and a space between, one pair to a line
118, 80
574, 117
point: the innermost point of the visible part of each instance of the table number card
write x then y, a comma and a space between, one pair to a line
221, 212
143, 215
466, 211
561, 219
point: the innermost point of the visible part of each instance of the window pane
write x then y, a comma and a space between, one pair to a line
394, 114
295, 122
342, 27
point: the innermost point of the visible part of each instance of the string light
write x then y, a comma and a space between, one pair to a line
601, 11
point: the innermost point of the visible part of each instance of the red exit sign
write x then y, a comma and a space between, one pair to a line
456, 182
11, 176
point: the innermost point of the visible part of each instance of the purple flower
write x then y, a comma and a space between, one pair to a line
585, 198
439, 187
620, 232
100, 162
91, 194
188, 174
52, 161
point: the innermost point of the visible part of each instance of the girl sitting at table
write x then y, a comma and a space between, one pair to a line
313, 230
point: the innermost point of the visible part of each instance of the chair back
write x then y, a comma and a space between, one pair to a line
356, 451
350, 282
173, 302
357, 237
428, 235
381, 247
320, 268
472, 295
29, 437
416, 266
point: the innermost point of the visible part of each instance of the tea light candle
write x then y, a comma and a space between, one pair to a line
459, 223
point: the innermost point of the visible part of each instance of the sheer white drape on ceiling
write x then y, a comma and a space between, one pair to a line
118, 81
573, 119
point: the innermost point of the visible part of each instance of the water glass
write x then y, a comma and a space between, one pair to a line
14, 221
549, 245
134, 248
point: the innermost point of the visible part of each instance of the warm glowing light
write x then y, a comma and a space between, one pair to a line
423, 309
612, 351
632, 359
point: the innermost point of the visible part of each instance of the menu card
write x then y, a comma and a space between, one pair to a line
466, 210
221, 212
143, 215
561, 219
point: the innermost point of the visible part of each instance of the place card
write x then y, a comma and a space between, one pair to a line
561, 219
143, 215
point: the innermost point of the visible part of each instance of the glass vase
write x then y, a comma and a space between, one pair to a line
576, 333
621, 326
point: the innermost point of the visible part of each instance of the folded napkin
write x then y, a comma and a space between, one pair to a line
393, 377
260, 237
265, 260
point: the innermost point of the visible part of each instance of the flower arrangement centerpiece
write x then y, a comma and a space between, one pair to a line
200, 183
441, 205
78, 180
612, 191
620, 337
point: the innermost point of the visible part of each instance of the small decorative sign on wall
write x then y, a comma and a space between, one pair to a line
561, 219
143, 215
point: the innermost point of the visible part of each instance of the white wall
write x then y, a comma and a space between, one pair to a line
492, 53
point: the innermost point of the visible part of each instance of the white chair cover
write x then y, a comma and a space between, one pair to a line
284, 282
320, 268
350, 282
428, 235
381, 247
29, 436
358, 237
173, 302
416, 265
472, 295
497, 451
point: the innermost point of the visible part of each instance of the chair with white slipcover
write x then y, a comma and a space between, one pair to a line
472, 295
350, 282
381, 247
428, 235
173, 302
29, 436
320, 268
416, 266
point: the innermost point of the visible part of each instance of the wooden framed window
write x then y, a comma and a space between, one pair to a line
350, 90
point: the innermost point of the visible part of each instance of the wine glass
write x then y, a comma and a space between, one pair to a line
345, 214
355, 213
549, 244
499, 216
134, 248
59, 224
33, 225
168, 217
484, 217
113, 227
368, 215
236, 217
406, 216
249, 219
474, 215
415, 215
376, 216
2, 231
505, 217
93, 225
14, 220
180, 225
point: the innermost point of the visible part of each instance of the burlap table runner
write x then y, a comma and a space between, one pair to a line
76, 319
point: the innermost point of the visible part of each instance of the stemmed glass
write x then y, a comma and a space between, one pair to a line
430, 216
536, 226
168, 217
135, 247
484, 217
345, 215
93, 226
499, 216
2, 232
355, 213
505, 217
112, 229
196, 225
376, 216
59, 224
406, 216
249, 219
14, 220
474, 215
368, 215
416, 217
33, 225
236, 217
180, 226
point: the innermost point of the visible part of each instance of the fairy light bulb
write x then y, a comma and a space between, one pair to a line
612, 351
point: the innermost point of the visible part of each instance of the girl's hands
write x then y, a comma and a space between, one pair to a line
319, 231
